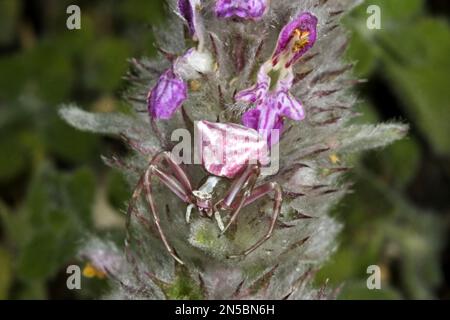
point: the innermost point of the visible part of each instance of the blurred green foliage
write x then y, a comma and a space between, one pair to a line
53, 183
51, 177
383, 225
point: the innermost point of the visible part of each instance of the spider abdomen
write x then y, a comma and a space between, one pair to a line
226, 149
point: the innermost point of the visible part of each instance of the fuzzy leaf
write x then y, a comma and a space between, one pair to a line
358, 138
103, 123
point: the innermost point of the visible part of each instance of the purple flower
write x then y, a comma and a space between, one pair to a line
271, 93
171, 90
295, 39
167, 95
244, 9
271, 106
189, 9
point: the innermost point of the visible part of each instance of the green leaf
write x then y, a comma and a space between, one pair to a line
361, 52
58, 210
398, 163
32, 290
392, 13
81, 188
149, 10
16, 226
52, 192
418, 73
398, 10
106, 63
15, 160
363, 48
68, 144
38, 260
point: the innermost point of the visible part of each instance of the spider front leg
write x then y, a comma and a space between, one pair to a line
256, 194
245, 182
178, 183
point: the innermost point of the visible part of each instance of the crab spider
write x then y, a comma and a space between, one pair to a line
233, 163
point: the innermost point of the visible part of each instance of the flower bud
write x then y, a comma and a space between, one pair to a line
167, 96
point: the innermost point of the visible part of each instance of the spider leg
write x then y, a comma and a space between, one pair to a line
150, 201
132, 209
179, 184
219, 221
251, 173
245, 182
179, 174
181, 191
189, 212
258, 193
176, 168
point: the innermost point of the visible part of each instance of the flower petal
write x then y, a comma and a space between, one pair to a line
290, 107
188, 10
265, 119
193, 64
278, 126
258, 91
250, 119
167, 96
245, 9
295, 39
287, 105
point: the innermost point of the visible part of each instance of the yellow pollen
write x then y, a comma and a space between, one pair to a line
334, 159
89, 271
195, 85
303, 40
